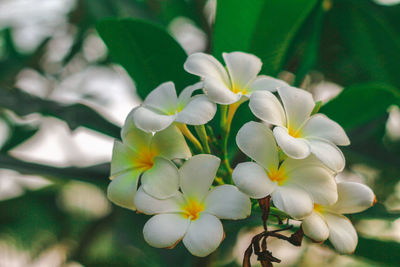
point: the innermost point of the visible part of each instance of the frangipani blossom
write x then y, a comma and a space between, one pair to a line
240, 79
193, 215
297, 132
143, 155
162, 107
327, 221
293, 185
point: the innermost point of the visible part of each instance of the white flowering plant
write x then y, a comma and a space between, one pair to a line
240, 133
175, 161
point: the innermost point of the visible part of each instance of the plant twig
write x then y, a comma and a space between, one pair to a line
188, 134
201, 132
258, 244
265, 204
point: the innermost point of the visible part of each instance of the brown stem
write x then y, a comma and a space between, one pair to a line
265, 207
247, 255
258, 244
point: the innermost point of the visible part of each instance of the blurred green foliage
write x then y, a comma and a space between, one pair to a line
353, 43
147, 52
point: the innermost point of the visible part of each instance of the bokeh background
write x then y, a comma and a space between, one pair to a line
63, 100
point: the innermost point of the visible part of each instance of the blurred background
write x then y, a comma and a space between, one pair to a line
63, 100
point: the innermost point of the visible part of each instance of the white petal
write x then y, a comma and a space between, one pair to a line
122, 158
198, 111
162, 180
315, 227
218, 91
186, 93
205, 65
298, 105
313, 177
133, 136
151, 205
296, 148
322, 127
204, 235
165, 230
171, 144
294, 201
197, 175
252, 180
264, 82
227, 202
152, 121
122, 189
292, 165
163, 98
353, 197
328, 153
257, 141
242, 68
267, 107
342, 234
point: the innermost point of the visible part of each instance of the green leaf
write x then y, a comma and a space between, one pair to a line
97, 174
235, 24
386, 252
33, 219
360, 104
304, 51
378, 211
264, 28
360, 43
149, 54
74, 115
167, 10
19, 133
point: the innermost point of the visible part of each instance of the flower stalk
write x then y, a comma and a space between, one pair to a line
188, 134
202, 133
228, 112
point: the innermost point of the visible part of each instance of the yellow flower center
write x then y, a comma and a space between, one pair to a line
192, 209
179, 108
237, 89
293, 132
145, 160
278, 176
318, 208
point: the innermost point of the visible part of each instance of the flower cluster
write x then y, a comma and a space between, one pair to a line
294, 152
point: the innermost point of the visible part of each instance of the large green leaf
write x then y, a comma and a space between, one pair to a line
167, 10
360, 104
386, 252
378, 211
34, 219
149, 54
262, 27
19, 133
304, 50
361, 43
97, 174
74, 115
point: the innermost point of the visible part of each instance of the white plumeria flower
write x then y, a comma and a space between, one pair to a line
328, 222
293, 185
193, 215
297, 132
162, 107
240, 79
147, 156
